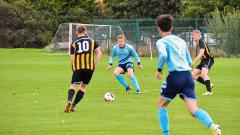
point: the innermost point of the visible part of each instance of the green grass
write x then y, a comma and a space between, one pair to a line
34, 85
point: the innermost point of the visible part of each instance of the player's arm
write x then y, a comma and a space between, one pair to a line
201, 52
113, 54
98, 53
137, 58
162, 57
72, 53
188, 57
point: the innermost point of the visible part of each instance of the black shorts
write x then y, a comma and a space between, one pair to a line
126, 66
206, 63
83, 76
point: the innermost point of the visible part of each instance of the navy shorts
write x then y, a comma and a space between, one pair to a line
178, 83
206, 63
126, 66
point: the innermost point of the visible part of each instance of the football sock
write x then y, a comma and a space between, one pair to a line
135, 83
122, 81
71, 93
163, 119
204, 117
200, 79
208, 85
78, 97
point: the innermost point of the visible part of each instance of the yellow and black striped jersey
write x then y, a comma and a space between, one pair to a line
207, 52
83, 51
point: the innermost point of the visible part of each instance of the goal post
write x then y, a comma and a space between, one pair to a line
104, 35
70, 37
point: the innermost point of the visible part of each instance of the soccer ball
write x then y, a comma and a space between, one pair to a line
109, 97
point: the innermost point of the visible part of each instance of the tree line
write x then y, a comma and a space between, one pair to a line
32, 23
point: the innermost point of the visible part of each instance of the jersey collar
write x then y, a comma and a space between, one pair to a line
83, 37
122, 47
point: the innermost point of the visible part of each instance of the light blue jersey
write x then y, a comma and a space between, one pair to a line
173, 51
124, 54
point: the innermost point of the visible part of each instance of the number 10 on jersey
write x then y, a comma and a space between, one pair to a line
83, 46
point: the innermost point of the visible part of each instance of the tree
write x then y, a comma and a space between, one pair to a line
32, 23
121, 9
202, 8
226, 28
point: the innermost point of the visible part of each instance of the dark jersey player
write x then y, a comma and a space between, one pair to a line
201, 72
83, 65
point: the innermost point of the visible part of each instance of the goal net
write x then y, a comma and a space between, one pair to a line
104, 35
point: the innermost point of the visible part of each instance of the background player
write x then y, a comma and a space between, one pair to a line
82, 60
124, 52
201, 72
173, 51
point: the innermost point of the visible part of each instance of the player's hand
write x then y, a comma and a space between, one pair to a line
109, 67
141, 67
159, 75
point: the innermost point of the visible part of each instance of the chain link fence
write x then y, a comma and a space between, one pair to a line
223, 41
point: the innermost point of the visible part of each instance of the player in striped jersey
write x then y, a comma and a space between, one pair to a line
201, 72
83, 65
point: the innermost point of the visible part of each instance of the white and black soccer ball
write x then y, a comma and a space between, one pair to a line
109, 97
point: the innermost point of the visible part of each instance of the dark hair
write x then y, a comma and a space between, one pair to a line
81, 29
165, 22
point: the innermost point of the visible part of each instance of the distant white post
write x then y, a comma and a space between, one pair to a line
150, 46
69, 37
109, 37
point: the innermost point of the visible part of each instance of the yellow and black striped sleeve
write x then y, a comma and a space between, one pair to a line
72, 48
201, 44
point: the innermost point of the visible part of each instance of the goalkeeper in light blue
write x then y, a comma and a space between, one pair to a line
125, 52
173, 51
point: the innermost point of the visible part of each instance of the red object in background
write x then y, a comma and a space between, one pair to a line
148, 41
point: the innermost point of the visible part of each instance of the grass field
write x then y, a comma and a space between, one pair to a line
33, 91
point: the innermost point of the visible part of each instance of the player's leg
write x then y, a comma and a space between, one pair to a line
204, 73
85, 78
168, 93
202, 115
206, 78
188, 95
196, 75
71, 92
133, 78
79, 96
163, 115
117, 73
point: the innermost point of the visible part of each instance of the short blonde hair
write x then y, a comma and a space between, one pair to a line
121, 37
197, 31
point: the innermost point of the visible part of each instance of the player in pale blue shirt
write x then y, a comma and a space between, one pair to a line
125, 52
173, 51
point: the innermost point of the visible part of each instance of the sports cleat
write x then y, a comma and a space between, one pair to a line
72, 109
128, 89
67, 107
207, 93
216, 129
138, 92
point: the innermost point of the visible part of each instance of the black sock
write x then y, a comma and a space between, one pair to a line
208, 85
71, 93
78, 97
200, 79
